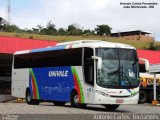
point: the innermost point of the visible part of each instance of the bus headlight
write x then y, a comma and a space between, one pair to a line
136, 93
102, 93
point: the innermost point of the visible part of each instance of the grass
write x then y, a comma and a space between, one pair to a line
137, 44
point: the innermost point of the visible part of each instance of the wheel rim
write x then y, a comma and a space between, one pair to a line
29, 98
76, 99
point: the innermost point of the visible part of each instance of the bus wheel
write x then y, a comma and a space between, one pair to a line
59, 103
83, 105
142, 97
29, 99
75, 99
111, 107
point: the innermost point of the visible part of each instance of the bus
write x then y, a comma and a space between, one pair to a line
80, 72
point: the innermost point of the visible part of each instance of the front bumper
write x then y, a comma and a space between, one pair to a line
100, 99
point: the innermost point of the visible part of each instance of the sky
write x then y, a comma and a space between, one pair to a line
85, 13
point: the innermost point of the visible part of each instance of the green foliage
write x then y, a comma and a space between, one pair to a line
34, 30
88, 32
103, 30
74, 30
31, 37
39, 27
10, 28
62, 31
50, 29
152, 46
71, 28
1, 27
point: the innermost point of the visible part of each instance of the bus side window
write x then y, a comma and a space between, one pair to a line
88, 66
21, 61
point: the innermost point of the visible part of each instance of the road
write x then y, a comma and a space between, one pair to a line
49, 108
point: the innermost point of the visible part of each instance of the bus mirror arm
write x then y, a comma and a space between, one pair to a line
146, 62
99, 61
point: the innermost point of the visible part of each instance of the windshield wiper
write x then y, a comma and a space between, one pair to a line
113, 71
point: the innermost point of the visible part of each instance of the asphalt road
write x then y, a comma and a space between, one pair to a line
49, 108
48, 111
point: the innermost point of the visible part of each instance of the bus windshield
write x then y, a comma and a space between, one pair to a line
119, 68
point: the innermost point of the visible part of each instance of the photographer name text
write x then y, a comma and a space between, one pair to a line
139, 4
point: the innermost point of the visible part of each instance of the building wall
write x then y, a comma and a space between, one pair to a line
13, 44
138, 37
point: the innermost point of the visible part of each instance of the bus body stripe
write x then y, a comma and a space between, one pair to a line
35, 86
48, 49
77, 87
131, 91
78, 84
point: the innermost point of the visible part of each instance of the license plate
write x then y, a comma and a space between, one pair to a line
119, 101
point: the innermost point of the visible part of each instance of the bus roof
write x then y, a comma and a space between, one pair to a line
78, 44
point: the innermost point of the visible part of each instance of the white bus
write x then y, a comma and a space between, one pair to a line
80, 72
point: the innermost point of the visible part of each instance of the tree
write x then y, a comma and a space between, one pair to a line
35, 30
153, 46
27, 30
1, 27
88, 32
4, 26
62, 31
50, 29
12, 28
103, 30
73, 29
2, 21
39, 27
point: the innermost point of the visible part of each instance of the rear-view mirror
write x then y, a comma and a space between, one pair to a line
99, 61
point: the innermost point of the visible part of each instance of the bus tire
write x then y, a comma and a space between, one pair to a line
142, 97
59, 103
111, 107
30, 100
74, 99
83, 105
36, 102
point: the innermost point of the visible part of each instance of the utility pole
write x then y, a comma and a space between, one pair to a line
9, 12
